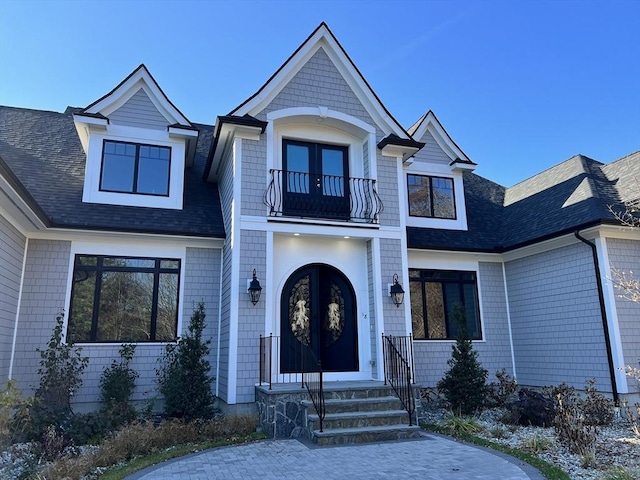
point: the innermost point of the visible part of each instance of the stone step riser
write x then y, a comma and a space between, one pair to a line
364, 437
398, 418
363, 406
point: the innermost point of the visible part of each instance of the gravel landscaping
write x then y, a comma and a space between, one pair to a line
617, 446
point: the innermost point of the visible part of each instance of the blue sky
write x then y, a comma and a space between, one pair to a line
519, 85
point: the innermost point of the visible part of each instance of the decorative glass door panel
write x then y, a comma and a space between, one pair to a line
318, 321
316, 178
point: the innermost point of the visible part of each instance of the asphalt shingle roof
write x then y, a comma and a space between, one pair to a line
43, 151
574, 194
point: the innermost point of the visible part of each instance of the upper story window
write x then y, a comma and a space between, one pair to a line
124, 299
135, 168
435, 295
431, 197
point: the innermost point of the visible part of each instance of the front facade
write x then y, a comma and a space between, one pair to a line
124, 214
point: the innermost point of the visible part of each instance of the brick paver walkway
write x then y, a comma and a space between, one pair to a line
428, 458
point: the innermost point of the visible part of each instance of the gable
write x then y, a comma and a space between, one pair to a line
319, 82
432, 152
139, 111
322, 38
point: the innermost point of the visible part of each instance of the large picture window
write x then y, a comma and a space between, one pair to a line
435, 294
135, 168
124, 299
431, 197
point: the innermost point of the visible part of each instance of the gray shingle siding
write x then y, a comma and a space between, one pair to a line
12, 245
371, 285
431, 356
139, 111
431, 152
254, 175
43, 295
624, 256
555, 318
391, 263
251, 318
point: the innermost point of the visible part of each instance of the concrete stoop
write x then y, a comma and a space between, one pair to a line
367, 413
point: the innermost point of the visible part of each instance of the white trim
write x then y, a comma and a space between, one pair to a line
508, 306
270, 300
326, 229
548, 245
18, 305
219, 323
403, 202
617, 351
322, 38
232, 380
378, 298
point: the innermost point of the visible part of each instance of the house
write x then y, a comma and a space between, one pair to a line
125, 214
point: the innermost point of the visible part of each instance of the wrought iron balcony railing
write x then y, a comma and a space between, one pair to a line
331, 197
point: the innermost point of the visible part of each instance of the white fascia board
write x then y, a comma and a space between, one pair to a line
322, 39
182, 132
399, 151
18, 212
620, 232
140, 79
458, 167
551, 244
226, 136
132, 238
447, 259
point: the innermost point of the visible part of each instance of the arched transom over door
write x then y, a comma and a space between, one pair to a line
318, 311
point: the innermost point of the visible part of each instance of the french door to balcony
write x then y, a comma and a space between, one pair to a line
316, 180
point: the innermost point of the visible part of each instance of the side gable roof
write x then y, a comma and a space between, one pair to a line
322, 37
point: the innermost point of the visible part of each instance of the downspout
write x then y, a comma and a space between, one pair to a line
603, 312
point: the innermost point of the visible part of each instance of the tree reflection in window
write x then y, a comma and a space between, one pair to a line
124, 299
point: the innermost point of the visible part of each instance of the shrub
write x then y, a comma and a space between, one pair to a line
457, 424
119, 380
597, 409
61, 367
538, 443
501, 391
464, 384
10, 398
183, 376
570, 426
531, 408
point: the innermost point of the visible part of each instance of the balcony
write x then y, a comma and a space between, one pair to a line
329, 197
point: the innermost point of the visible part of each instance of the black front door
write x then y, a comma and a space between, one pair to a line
316, 178
318, 322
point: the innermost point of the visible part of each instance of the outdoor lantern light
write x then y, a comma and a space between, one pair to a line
254, 289
396, 292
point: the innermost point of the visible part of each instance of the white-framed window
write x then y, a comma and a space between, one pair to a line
430, 196
135, 168
124, 299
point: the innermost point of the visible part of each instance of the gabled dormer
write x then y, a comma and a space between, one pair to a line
137, 144
434, 180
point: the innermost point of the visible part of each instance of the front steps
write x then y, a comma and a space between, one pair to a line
359, 413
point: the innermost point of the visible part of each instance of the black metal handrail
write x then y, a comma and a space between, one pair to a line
312, 379
397, 354
336, 198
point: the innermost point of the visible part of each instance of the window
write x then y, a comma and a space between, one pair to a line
431, 197
135, 168
124, 299
435, 294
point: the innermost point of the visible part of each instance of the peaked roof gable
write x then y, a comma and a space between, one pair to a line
140, 78
322, 37
430, 123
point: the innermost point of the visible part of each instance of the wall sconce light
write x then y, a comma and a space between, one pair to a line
254, 288
396, 292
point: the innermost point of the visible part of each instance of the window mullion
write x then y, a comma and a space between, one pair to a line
135, 169
96, 300
154, 301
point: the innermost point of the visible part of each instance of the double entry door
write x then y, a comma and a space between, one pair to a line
316, 180
318, 322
